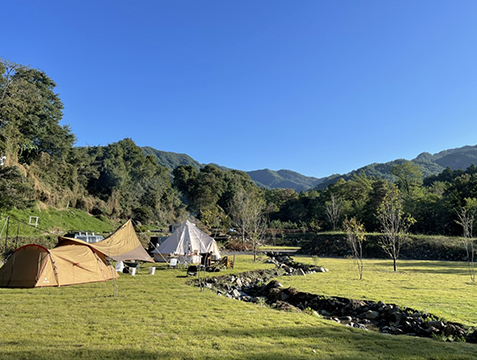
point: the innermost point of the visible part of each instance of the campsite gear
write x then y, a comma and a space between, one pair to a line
152, 270
72, 261
173, 263
119, 266
205, 259
188, 240
192, 270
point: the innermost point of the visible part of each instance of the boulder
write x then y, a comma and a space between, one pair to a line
372, 315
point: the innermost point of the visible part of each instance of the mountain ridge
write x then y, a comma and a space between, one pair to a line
430, 164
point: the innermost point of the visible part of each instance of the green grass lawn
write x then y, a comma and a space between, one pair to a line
161, 317
438, 287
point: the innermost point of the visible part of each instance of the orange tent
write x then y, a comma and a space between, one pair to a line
72, 261
35, 266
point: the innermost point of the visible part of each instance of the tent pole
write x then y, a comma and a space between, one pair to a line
18, 231
6, 238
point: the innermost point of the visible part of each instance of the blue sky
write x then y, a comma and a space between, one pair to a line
314, 86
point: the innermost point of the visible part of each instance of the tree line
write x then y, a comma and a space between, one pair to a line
41, 164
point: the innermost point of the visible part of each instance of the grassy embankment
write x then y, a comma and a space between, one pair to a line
161, 317
51, 223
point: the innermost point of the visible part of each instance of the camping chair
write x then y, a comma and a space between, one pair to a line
173, 263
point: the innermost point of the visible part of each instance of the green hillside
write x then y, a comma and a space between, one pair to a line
284, 179
170, 160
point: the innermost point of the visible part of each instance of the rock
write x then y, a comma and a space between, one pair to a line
274, 294
273, 284
345, 319
284, 296
372, 315
284, 306
300, 272
397, 317
359, 326
436, 324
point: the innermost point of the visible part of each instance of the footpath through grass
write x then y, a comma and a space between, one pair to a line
161, 317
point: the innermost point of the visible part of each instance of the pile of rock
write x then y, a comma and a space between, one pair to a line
257, 287
291, 267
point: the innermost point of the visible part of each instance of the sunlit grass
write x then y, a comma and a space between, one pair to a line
443, 288
161, 317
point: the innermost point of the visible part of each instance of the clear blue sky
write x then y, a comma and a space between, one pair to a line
314, 86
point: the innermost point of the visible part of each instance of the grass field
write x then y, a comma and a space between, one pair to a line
161, 317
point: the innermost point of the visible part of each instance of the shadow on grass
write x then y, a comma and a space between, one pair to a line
300, 342
440, 267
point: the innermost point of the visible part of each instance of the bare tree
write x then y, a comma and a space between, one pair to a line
356, 237
333, 211
394, 224
238, 212
466, 218
247, 211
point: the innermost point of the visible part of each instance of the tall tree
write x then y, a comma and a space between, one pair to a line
30, 113
333, 211
409, 176
15, 190
394, 224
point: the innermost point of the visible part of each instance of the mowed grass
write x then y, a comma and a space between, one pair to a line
161, 317
443, 288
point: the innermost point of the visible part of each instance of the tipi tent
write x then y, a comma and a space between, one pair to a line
72, 261
188, 240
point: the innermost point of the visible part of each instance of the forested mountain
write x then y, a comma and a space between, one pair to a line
459, 158
170, 160
283, 179
267, 179
430, 164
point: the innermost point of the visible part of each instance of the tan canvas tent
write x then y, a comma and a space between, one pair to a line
120, 246
72, 261
35, 266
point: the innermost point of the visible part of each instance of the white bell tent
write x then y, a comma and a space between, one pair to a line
187, 241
